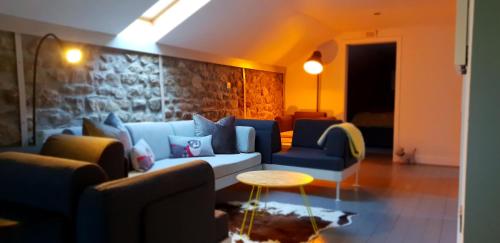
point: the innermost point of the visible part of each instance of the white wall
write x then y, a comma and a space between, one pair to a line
429, 90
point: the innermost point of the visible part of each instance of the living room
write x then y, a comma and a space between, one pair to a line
247, 121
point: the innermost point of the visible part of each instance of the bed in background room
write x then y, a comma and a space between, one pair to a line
377, 128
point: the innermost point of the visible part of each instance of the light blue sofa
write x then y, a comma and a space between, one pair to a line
225, 166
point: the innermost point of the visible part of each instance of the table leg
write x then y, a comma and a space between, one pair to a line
257, 197
246, 210
309, 211
267, 198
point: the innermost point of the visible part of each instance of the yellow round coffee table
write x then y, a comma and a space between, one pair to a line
274, 179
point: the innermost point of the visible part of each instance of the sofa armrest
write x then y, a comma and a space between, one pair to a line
160, 206
245, 139
106, 152
267, 139
337, 144
44, 182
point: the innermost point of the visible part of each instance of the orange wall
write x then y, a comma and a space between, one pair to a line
429, 90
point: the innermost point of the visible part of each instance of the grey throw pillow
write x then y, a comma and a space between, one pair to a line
223, 133
113, 121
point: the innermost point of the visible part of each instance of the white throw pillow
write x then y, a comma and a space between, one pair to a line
186, 147
142, 156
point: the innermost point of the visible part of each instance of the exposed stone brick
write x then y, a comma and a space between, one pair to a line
128, 83
9, 100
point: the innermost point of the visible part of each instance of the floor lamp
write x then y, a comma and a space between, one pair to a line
71, 55
314, 66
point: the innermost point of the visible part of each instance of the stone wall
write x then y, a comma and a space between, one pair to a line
196, 87
9, 100
129, 84
109, 81
264, 94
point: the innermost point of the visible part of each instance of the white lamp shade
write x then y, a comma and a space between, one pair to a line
73, 56
313, 67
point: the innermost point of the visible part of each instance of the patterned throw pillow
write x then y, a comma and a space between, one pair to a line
142, 156
186, 147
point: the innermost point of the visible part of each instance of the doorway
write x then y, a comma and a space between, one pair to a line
371, 89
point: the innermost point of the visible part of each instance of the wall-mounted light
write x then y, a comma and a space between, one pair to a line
314, 65
71, 55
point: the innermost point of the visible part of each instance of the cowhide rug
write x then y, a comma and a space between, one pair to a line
280, 222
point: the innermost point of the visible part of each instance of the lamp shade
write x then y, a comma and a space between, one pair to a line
314, 65
73, 55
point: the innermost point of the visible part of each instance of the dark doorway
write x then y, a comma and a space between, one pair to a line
371, 77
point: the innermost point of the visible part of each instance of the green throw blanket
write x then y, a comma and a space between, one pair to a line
356, 141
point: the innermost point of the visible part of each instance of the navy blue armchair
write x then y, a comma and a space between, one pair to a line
332, 162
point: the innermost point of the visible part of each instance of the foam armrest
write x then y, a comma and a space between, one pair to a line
105, 152
267, 137
160, 206
44, 182
337, 144
245, 139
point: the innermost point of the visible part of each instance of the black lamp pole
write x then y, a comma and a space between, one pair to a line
37, 52
317, 91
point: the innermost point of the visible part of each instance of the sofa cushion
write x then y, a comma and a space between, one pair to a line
188, 147
223, 133
306, 132
310, 158
223, 164
183, 128
142, 156
114, 121
155, 134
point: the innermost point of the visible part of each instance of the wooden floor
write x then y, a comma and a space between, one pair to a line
396, 203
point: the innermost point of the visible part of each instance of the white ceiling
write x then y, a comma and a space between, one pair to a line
266, 31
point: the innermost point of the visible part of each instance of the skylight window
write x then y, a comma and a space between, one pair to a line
157, 9
160, 19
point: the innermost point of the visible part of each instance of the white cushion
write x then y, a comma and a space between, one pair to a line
142, 156
155, 134
223, 164
245, 139
189, 147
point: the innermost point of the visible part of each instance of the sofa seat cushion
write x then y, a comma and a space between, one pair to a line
223, 164
309, 158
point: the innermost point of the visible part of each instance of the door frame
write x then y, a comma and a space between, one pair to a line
397, 95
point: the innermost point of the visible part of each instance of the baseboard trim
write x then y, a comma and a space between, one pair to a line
436, 160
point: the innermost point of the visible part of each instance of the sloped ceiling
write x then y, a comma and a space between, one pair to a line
267, 31
107, 16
